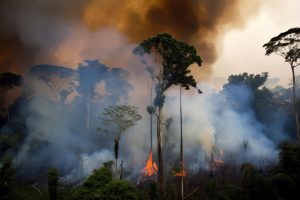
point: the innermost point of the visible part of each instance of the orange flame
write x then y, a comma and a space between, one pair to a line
215, 164
181, 173
151, 167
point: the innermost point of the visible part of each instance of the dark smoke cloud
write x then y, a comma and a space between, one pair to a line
32, 30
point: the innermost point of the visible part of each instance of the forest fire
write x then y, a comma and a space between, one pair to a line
216, 163
151, 167
182, 172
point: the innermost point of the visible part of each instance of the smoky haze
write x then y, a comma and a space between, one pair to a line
66, 32
33, 31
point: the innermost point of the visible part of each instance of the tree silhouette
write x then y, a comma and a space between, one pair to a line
60, 80
287, 45
90, 73
119, 118
8, 81
175, 57
117, 85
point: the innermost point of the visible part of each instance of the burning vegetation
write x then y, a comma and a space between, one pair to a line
151, 167
65, 135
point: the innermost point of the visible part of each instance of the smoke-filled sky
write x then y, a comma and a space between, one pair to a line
228, 34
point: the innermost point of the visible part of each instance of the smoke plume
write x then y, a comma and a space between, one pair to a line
35, 32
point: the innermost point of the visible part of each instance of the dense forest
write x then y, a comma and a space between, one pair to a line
76, 133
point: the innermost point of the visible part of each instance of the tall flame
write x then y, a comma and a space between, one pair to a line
151, 167
215, 163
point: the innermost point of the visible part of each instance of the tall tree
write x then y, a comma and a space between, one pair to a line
287, 45
61, 81
173, 60
90, 74
118, 119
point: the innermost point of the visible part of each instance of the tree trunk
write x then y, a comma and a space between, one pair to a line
121, 171
151, 121
181, 145
88, 109
295, 104
160, 173
116, 150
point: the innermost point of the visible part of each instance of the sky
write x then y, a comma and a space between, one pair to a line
242, 47
228, 34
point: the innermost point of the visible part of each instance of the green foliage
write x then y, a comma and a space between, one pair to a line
53, 177
99, 178
252, 81
121, 116
176, 58
84, 193
118, 190
100, 186
289, 160
250, 87
92, 187
108, 164
287, 45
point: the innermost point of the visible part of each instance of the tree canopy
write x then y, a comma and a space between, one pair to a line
287, 45
121, 117
176, 58
60, 80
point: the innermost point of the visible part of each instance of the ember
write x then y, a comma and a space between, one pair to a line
181, 173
